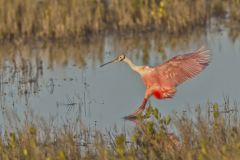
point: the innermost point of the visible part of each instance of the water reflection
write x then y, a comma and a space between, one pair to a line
22, 63
64, 78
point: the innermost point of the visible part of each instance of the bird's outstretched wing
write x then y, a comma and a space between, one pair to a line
182, 67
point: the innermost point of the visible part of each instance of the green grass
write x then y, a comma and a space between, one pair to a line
203, 134
74, 18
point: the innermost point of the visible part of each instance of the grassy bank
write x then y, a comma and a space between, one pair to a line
75, 18
209, 135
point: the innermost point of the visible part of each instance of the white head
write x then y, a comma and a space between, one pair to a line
121, 58
117, 59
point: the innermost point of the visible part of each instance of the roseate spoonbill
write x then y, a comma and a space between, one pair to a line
161, 81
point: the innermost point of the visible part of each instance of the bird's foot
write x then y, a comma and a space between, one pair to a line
138, 112
130, 117
135, 115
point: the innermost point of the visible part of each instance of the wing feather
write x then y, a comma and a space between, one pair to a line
183, 67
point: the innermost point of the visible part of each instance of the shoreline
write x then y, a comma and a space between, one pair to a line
86, 18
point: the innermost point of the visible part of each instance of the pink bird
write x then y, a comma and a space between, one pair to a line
161, 81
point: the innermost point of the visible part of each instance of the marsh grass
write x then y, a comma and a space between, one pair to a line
211, 133
74, 18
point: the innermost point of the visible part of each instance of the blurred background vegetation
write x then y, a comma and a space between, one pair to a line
75, 18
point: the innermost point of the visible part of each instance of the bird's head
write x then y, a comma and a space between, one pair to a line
120, 58
117, 59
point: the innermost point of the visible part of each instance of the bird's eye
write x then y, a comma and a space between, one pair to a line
121, 58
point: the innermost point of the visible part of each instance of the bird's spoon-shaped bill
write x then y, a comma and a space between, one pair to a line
114, 60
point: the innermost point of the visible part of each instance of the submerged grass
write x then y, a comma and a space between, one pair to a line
74, 18
211, 135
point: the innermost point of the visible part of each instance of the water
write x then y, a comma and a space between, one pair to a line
65, 81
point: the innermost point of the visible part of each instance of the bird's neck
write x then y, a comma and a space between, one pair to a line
134, 67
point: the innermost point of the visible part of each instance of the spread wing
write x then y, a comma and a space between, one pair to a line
182, 67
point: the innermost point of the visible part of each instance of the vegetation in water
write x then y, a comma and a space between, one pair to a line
74, 18
213, 134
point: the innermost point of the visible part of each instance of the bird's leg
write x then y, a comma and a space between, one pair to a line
139, 110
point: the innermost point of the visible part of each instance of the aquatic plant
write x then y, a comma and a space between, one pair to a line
209, 134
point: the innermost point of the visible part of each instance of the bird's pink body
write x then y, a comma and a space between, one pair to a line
156, 85
161, 81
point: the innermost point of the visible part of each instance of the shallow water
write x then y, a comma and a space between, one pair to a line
65, 80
